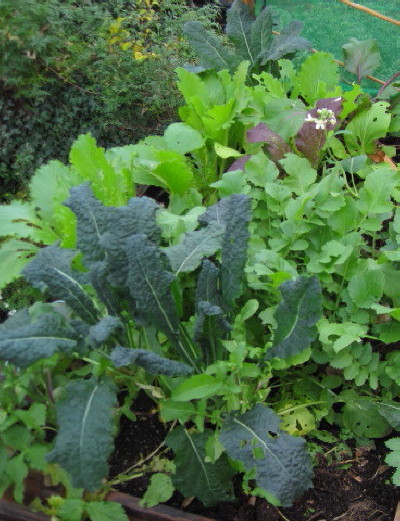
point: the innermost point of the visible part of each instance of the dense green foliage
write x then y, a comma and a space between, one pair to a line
262, 296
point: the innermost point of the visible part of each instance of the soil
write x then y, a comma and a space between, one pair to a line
354, 488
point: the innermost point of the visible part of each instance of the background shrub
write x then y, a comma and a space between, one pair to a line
69, 67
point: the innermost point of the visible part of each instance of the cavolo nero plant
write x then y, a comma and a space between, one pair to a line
251, 39
130, 302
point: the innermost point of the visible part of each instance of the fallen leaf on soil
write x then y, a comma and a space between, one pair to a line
380, 157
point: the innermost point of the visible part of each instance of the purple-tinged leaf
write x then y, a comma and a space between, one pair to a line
275, 144
238, 164
312, 137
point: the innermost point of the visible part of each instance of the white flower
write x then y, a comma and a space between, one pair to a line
324, 116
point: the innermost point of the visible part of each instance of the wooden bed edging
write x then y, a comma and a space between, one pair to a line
158, 513
10, 511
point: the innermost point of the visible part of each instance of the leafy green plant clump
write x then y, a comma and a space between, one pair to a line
134, 306
263, 295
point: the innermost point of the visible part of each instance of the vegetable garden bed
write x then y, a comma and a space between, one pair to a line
253, 319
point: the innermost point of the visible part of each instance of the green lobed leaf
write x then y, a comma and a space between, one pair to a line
318, 76
188, 254
105, 511
366, 127
85, 437
14, 255
159, 490
90, 162
282, 464
296, 317
362, 416
51, 269
23, 342
300, 173
361, 57
210, 482
376, 193
22, 220
367, 287
210, 49
71, 510
152, 362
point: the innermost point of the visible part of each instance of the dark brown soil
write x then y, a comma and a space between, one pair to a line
361, 492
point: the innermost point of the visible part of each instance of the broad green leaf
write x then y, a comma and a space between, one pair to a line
16, 437
174, 171
210, 482
105, 511
261, 33
347, 333
296, 317
90, 162
182, 138
196, 387
152, 362
20, 219
210, 49
34, 417
366, 127
16, 471
71, 510
171, 410
225, 152
53, 178
318, 76
390, 410
23, 342
85, 437
260, 170
51, 269
187, 256
100, 332
159, 490
283, 466
361, 57
14, 255
300, 173
366, 288
375, 195
239, 23
231, 183
362, 416
349, 100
